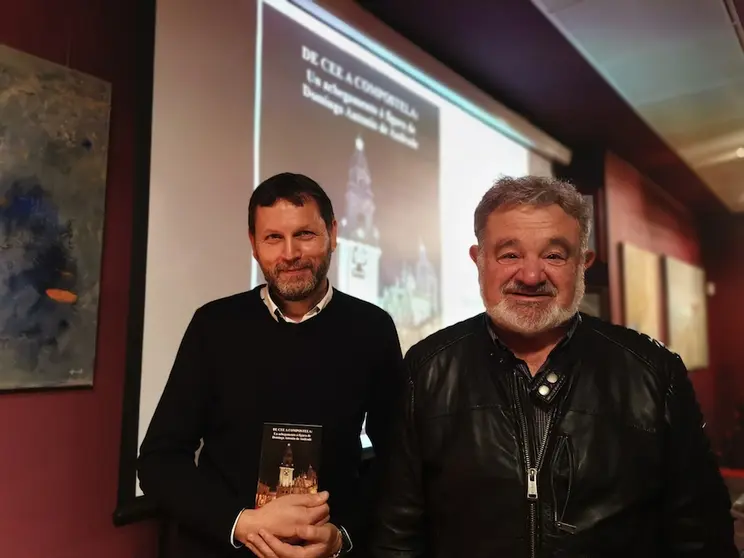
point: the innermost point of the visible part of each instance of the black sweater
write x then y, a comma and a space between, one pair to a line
237, 367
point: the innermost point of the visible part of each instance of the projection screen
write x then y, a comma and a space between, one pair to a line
244, 89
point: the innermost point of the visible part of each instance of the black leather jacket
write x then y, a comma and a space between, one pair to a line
626, 471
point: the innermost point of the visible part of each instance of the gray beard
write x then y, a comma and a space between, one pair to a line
534, 318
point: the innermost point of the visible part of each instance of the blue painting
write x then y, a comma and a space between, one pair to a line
54, 129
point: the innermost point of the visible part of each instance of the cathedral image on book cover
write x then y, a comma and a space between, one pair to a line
290, 457
374, 147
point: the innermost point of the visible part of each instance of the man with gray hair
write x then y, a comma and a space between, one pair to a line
532, 430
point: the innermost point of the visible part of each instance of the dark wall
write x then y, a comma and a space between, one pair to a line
641, 213
723, 248
633, 209
59, 470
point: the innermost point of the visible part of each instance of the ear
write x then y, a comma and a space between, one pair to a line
474, 253
332, 232
589, 258
253, 244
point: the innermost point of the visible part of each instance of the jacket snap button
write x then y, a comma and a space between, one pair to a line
543, 390
552, 377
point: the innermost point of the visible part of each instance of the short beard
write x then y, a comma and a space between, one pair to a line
298, 289
531, 319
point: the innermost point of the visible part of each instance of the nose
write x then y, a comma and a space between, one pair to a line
532, 271
291, 249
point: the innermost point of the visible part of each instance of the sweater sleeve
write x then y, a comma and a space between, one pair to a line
167, 469
387, 388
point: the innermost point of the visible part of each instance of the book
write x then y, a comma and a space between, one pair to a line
289, 462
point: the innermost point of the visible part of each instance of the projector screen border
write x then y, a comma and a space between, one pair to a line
130, 507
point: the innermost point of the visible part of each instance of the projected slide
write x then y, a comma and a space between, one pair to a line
283, 85
374, 147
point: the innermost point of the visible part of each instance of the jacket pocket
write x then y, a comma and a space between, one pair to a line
561, 477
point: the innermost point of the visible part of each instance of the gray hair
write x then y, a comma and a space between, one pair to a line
537, 191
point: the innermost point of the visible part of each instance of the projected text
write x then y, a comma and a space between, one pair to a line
347, 94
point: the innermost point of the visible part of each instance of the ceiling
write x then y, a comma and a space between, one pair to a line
680, 65
659, 82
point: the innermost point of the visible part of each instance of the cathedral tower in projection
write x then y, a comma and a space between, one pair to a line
358, 252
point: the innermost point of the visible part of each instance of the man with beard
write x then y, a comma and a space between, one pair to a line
534, 430
294, 350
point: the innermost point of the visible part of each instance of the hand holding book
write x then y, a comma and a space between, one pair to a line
318, 542
289, 521
284, 517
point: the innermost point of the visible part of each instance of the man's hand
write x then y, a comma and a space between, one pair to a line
319, 542
284, 517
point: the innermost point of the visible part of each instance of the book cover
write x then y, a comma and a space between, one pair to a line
290, 460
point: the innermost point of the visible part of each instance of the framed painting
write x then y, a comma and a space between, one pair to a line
54, 130
642, 302
687, 312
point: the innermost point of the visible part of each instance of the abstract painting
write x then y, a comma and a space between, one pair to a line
54, 130
687, 312
642, 290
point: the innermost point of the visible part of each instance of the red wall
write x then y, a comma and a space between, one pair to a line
723, 241
59, 466
640, 213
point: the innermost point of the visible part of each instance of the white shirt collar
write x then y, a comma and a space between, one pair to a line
276, 312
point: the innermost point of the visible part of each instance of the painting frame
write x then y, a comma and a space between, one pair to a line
686, 308
53, 186
642, 284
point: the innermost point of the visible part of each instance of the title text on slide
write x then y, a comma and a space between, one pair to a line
378, 110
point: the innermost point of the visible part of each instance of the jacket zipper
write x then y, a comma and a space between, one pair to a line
532, 469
